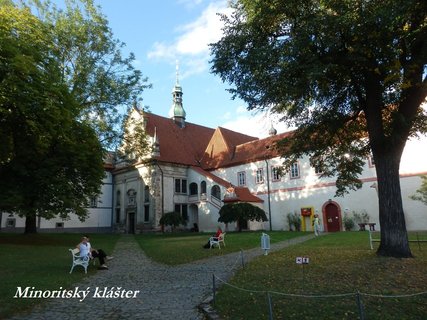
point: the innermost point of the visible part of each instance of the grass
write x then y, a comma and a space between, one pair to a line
41, 261
179, 248
339, 263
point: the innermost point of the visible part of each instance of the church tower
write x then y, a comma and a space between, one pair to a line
177, 112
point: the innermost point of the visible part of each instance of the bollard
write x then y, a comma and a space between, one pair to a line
243, 261
265, 243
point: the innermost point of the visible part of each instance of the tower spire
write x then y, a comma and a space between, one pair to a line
177, 111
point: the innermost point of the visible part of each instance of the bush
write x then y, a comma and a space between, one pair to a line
173, 219
348, 222
362, 217
294, 221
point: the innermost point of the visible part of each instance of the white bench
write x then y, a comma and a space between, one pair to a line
215, 241
78, 260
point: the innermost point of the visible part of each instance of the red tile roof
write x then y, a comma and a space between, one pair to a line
178, 145
242, 194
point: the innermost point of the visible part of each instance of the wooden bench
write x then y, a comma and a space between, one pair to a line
78, 260
216, 241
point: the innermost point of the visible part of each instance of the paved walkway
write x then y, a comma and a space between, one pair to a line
164, 292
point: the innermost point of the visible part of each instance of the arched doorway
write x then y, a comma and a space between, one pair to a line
331, 216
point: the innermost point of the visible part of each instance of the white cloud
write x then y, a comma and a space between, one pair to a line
191, 47
253, 124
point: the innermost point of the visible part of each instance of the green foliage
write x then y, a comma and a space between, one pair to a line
240, 212
361, 217
173, 219
92, 65
51, 162
349, 75
294, 221
317, 64
421, 193
349, 223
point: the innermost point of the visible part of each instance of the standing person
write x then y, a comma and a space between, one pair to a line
316, 225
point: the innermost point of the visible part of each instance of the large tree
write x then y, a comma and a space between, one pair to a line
65, 82
51, 161
350, 75
99, 76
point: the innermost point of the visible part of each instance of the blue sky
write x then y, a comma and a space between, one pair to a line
162, 32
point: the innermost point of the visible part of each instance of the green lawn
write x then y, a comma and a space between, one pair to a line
339, 263
42, 261
179, 248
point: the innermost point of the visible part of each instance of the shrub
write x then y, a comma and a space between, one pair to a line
173, 219
294, 220
348, 222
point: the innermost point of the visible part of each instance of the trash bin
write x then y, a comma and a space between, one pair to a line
265, 243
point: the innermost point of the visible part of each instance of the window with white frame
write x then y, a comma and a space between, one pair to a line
259, 176
275, 174
241, 178
294, 171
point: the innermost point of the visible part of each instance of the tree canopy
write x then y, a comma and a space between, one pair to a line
240, 212
63, 85
51, 161
349, 75
103, 81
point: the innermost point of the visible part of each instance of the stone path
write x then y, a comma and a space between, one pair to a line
164, 292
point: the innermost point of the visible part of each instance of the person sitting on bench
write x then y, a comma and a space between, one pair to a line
217, 234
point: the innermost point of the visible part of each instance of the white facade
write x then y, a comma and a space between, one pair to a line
99, 219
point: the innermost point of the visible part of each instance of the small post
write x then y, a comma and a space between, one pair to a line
213, 288
360, 306
370, 239
241, 256
270, 306
418, 240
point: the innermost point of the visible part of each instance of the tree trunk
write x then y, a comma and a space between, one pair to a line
394, 237
31, 223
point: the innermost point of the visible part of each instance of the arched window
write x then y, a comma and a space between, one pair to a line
203, 187
193, 189
216, 192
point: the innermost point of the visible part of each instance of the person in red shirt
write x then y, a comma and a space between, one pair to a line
217, 234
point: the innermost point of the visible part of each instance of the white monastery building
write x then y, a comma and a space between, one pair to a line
195, 170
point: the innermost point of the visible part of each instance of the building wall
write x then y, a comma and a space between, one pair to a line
99, 219
289, 195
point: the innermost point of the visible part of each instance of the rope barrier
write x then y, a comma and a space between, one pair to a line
321, 296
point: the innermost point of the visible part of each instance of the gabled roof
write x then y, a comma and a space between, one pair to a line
178, 145
219, 154
222, 146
